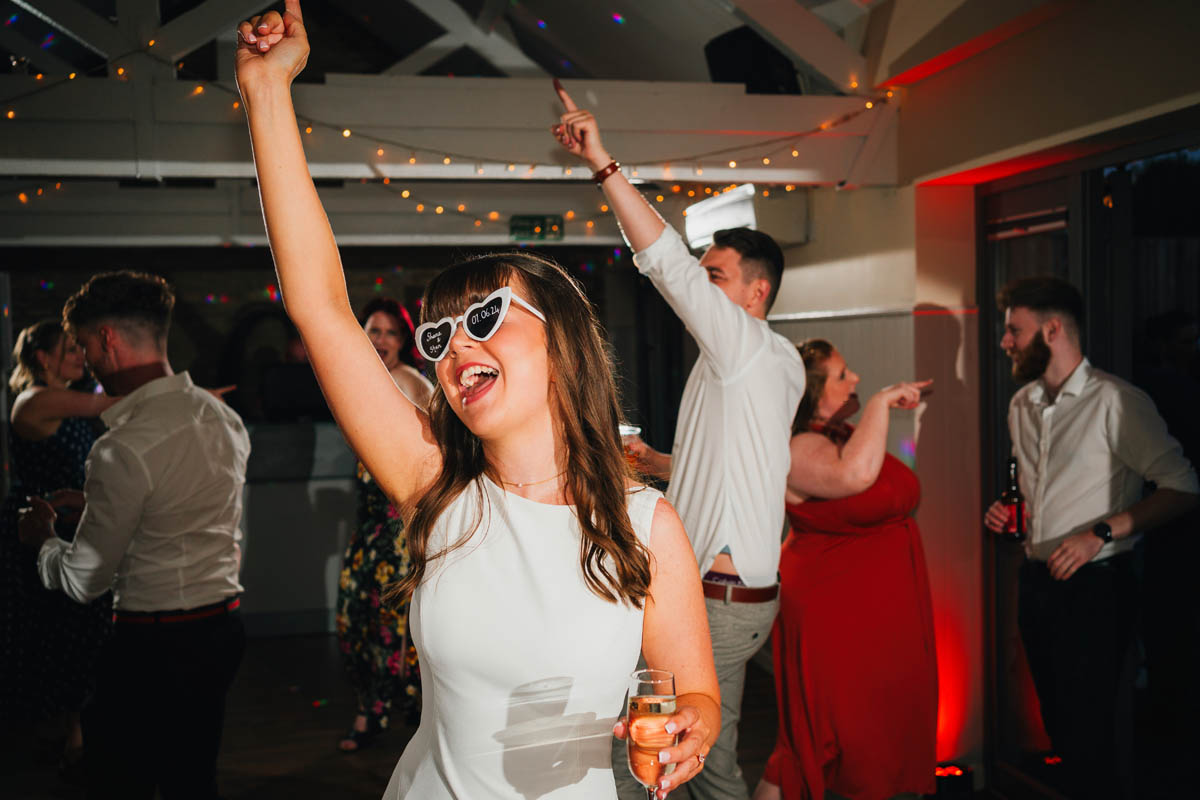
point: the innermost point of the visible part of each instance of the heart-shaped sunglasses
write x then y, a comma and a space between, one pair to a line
480, 321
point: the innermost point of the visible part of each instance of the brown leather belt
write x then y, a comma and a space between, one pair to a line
180, 615
732, 593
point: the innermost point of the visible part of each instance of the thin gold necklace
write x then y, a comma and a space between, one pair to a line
532, 483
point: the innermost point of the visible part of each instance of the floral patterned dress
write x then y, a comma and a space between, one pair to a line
49, 644
377, 653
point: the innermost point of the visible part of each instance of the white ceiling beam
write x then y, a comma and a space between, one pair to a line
503, 54
86, 127
429, 54
872, 146
522, 17
104, 214
207, 21
81, 24
44, 60
137, 19
803, 35
490, 13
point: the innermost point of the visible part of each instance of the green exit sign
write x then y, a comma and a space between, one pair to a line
535, 228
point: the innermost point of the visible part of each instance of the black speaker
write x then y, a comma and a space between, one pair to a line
742, 56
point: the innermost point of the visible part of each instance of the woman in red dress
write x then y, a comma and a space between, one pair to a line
855, 669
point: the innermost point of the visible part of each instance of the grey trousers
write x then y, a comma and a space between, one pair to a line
738, 631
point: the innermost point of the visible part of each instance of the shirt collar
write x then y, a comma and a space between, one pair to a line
123, 409
1072, 387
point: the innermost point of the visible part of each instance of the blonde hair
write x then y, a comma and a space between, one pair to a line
42, 336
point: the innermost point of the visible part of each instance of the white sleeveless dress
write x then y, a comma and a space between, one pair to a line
523, 668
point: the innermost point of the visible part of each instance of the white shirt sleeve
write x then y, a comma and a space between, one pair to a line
726, 334
116, 486
1140, 439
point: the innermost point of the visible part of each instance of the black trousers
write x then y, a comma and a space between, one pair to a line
1171, 634
156, 719
1078, 636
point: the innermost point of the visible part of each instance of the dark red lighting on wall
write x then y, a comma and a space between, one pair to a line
975, 46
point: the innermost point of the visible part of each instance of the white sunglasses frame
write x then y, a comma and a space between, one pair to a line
508, 296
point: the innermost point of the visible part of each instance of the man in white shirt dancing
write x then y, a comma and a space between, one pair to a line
161, 523
1086, 443
729, 465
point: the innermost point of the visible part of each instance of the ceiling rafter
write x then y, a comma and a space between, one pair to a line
81, 24
44, 60
137, 19
805, 36
490, 13
207, 21
427, 56
462, 31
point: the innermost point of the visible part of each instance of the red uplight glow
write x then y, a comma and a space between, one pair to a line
975, 46
1025, 163
949, 771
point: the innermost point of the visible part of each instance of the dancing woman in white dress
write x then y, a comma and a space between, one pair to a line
540, 569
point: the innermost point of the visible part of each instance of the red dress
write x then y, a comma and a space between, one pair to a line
855, 668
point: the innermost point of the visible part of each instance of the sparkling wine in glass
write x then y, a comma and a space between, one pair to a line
626, 432
651, 704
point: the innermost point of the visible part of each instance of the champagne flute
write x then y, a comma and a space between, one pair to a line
651, 703
627, 431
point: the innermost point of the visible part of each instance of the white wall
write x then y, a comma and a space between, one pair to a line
1095, 67
859, 254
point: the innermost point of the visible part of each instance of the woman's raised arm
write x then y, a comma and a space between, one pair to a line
822, 469
36, 411
388, 433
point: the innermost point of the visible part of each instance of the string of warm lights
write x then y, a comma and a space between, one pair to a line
765, 148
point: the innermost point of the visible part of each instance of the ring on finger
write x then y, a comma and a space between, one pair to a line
700, 759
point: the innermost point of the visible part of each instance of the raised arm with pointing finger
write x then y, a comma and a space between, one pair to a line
272, 51
729, 463
529, 540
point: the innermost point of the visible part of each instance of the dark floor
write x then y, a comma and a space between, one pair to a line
286, 712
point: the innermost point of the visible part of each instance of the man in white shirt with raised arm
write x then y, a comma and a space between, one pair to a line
729, 465
1086, 443
163, 495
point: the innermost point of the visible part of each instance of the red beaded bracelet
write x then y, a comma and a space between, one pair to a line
599, 176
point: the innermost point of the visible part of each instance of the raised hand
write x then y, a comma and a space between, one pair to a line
272, 46
578, 132
905, 395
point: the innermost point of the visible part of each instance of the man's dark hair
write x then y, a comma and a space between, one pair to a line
138, 303
1044, 295
760, 256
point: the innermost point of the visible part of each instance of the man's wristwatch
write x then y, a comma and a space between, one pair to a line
1104, 531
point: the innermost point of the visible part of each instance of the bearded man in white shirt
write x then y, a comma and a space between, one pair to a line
729, 464
163, 495
1086, 442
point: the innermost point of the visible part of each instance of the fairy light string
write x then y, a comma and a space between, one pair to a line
764, 149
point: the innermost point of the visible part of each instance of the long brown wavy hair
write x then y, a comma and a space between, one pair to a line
815, 353
615, 564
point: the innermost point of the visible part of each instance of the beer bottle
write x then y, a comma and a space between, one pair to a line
1014, 503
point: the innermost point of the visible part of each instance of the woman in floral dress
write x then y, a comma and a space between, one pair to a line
48, 643
380, 660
